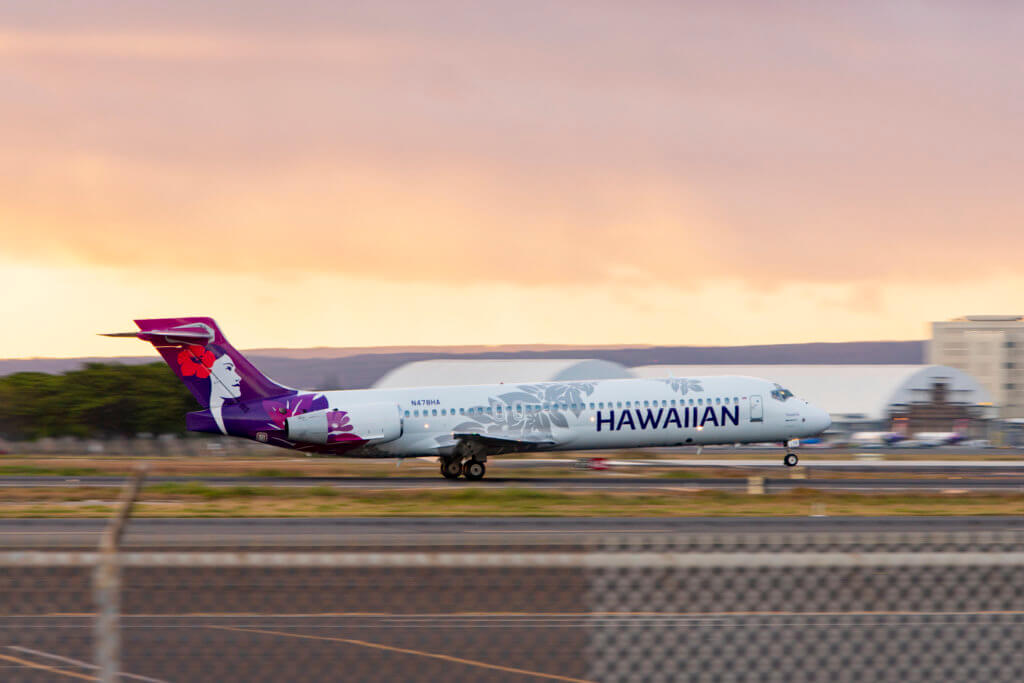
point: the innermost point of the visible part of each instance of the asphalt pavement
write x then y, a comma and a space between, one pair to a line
484, 532
938, 608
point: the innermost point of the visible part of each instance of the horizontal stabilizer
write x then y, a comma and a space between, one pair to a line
195, 333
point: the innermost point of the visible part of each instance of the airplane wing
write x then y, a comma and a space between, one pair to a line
523, 444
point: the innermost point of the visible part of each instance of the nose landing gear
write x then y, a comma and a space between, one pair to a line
790, 460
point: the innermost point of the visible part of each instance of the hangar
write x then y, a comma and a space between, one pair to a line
864, 397
494, 371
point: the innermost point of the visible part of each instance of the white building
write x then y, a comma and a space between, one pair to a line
931, 397
989, 347
509, 371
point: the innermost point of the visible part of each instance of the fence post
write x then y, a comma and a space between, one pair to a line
107, 584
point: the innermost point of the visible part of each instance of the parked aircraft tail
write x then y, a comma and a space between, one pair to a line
204, 360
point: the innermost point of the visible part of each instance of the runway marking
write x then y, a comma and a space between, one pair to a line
419, 653
45, 667
565, 531
94, 532
78, 662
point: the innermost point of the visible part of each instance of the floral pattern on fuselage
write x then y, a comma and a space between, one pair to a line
681, 385
510, 423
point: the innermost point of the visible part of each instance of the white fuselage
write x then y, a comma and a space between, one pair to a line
582, 415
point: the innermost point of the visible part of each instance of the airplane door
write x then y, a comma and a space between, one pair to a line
756, 408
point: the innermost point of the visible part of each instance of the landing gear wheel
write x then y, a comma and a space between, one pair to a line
790, 460
473, 470
451, 468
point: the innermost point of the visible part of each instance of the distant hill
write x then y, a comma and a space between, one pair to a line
326, 368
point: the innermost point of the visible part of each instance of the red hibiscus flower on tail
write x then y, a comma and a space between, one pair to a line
195, 361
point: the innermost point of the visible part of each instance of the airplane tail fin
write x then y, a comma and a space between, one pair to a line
202, 358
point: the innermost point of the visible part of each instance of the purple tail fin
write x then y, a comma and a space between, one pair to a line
202, 358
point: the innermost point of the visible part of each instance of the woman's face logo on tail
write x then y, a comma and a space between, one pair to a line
205, 363
227, 383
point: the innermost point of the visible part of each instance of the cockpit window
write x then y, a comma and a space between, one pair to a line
780, 394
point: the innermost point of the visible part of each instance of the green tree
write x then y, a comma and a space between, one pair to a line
99, 400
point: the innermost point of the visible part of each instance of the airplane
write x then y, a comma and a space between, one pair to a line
897, 435
464, 425
958, 435
876, 438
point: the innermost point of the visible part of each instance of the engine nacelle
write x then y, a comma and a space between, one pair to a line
374, 422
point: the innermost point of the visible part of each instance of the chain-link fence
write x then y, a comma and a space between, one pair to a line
702, 606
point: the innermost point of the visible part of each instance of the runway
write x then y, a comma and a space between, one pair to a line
923, 617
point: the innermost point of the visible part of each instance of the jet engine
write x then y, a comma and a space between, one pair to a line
374, 422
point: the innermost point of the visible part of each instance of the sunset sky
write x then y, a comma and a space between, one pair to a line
395, 173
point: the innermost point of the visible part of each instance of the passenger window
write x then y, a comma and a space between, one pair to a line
499, 409
619, 404
673, 402
407, 413
417, 413
591, 406
718, 401
700, 401
462, 411
434, 411
647, 404
488, 410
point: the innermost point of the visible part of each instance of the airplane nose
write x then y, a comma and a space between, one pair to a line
816, 419
822, 419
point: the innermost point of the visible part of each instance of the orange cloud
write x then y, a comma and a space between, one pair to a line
572, 149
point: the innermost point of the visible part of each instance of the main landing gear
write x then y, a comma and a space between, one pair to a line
467, 461
473, 470
790, 460
451, 468
454, 467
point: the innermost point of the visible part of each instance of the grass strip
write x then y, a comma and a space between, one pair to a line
199, 500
